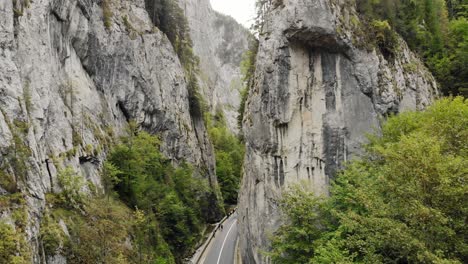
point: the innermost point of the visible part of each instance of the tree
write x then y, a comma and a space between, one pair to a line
170, 198
229, 152
435, 29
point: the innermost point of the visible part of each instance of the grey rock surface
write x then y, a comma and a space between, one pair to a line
317, 92
219, 41
69, 86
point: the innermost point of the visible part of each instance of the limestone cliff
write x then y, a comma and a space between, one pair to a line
319, 88
71, 77
219, 41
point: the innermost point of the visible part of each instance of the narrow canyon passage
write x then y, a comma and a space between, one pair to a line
165, 131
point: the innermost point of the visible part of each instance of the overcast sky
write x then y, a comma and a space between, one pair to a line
242, 10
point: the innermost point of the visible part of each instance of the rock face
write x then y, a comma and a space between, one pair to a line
220, 42
69, 85
317, 92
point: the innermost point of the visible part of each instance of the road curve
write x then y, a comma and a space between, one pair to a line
223, 246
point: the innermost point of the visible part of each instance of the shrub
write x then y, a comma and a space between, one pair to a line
52, 235
385, 37
13, 246
72, 188
107, 13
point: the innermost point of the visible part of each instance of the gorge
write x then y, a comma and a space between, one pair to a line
120, 135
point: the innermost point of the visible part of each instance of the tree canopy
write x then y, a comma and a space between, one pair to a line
436, 29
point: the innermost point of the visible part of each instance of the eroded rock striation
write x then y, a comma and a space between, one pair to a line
72, 75
219, 41
319, 88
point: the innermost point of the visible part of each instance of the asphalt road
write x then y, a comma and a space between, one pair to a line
223, 246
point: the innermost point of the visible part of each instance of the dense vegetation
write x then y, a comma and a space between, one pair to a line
436, 29
405, 201
229, 152
149, 210
175, 200
13, 244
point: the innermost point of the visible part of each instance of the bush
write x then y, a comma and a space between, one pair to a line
52, 236
72, 186
107, 13
13, 246
385, 37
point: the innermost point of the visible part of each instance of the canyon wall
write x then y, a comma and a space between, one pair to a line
73, 73
219, 41
319, 87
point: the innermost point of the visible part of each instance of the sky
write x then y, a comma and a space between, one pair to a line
241, 10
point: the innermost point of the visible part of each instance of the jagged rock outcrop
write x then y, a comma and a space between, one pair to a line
318, 90
69, 85
219, 41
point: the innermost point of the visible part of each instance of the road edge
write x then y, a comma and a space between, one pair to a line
237, 256
208, 241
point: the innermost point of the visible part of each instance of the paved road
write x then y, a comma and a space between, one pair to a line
223, 245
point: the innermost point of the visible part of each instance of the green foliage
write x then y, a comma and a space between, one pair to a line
107, 13
52, 235
7, 182
72, 186
171, 198
99, 236
385, 37
405, 201
229, 152
132, 31
19, 6
99, 228
170, 19
76, 138
28, 98
248, 72
18, 152
303, 228
13, 246
450, 65
22, 126
98, 231
110, 177
436, 29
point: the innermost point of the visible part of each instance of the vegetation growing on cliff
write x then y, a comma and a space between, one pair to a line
405, 201
436, 29
170, 19
14, 247
149, 210
229, 152
248, 73
173, 199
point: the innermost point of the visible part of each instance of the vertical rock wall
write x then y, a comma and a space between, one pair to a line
220, 42
69, 86
317, 92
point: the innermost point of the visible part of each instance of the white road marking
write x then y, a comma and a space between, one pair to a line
224, 242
